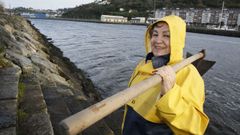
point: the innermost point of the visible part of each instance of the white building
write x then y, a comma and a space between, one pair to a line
175, 12
138, 20
206, 14
160, 13
189, 17
113, 19
238, 21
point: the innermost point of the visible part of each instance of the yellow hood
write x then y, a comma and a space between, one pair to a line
177, 28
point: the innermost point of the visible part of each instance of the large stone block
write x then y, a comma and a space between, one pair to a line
37, 124
24, 62
43, 63
8, 131
9, 82
8, 90
8, 113
10, 71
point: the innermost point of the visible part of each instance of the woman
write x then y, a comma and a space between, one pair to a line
176, 105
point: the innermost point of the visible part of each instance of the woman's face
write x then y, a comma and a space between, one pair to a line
160, 40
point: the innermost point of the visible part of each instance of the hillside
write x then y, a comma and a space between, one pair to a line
141, 7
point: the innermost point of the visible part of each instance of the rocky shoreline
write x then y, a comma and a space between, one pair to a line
39, 87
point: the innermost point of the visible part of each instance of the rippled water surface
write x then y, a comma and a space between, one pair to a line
108, 54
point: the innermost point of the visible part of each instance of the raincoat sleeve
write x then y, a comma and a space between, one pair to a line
135, 72
182, 106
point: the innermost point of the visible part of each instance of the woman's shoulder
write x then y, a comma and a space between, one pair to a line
141, 63
189, 70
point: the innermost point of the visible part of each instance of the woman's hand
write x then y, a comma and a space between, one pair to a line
168, 78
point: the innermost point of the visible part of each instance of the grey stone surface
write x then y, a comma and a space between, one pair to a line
33, 101
19, 48
43, 63
8, 90
9, 82
64, 90
8, 131
36, 120
8, 115
59, 79
56, 105
24, 62
37, 124
10, 71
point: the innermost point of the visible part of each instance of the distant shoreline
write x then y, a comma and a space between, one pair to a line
189, 29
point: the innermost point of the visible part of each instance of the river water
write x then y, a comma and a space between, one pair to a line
108, 54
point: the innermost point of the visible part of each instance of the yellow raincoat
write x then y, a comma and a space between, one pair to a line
181, 108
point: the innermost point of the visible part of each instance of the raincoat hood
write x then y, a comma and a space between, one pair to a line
177, 28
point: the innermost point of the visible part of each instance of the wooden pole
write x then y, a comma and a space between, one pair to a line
85, 118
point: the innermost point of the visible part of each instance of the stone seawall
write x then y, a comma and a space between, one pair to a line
39, 87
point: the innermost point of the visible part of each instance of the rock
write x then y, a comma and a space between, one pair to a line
37, 124
8, 131
10, 71
64, 90
34, 117
5, 33
8, 115
59, 79
24, 62
57, 107
8, 90
9, 82
8, 28
43, 63
28, 45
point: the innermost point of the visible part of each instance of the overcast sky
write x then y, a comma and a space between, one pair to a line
44, 4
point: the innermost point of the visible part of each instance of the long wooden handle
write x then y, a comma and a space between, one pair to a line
85, 118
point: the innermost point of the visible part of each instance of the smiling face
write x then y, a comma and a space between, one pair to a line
160, 39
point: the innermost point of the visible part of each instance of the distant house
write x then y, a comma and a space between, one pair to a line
228, 17
138, 20
113, 19
40, 15
34, 15
27, 15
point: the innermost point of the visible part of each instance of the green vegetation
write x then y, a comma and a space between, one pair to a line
21, 91
3, 61
1, 49
142, 8
21, 115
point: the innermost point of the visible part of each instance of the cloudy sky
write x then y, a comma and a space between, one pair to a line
44, 4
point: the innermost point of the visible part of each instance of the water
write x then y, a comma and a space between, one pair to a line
108, 54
